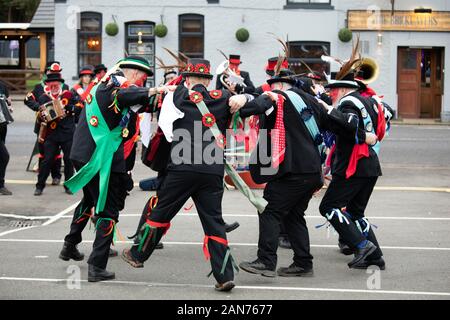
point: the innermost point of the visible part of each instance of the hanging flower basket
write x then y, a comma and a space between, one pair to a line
242, 34
112, 29
345, 35
161, 30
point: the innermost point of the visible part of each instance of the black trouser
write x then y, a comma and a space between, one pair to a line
51, 149
56, 167
283, 232
206, 191
288, 199
4, 154
353, 194
118, 187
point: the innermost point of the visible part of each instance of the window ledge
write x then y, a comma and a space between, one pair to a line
314, 6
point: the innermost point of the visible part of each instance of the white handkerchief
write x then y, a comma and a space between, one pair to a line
169, 114
146, 128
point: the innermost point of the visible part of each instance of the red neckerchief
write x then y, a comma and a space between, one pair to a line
129, 144
362, 150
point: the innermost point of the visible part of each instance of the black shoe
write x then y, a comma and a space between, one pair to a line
159, 246
231, 227
113, 253
224, 287
70, 251
5, 192
345, 249
96, 274
283, 242
295, 271
257, 267
38, 192
368, 263
362, 253
56, 181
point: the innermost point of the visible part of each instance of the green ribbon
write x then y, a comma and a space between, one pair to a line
107, 142
227, 257
144, 237
100, 220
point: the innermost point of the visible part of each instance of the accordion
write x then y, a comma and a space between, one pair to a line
5, 113
53, 110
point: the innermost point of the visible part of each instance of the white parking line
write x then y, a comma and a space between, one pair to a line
59, 215
16, 230
194, 214
189, 285
50, 220
237, 244
17, 216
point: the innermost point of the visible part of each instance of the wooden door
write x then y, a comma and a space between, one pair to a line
438, 82
427, 82
408, 82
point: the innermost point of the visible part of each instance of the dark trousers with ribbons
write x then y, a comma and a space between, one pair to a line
4, 154
52, 148
288, 199
118, 187
206, 190
55, 170
353, 194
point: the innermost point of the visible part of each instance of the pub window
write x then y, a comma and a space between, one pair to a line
90, 39
309, 4
140, 41
192, 35
309, 53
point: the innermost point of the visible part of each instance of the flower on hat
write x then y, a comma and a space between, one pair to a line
196, 97
93, 121
190, 67
208, 120
201, 68
215, 94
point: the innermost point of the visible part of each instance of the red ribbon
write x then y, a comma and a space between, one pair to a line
165, 225
279, 135
362, 150
205, 244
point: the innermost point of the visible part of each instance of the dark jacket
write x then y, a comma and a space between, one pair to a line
192, 123
31, 100
83, 144
302, 155
348, 125
65, 127
250, 87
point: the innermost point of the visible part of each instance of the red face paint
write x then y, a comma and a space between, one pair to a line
141, 82
334, 94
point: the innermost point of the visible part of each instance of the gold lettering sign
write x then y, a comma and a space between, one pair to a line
399, 21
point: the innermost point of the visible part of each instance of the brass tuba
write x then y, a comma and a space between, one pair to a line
225, 75
370, 70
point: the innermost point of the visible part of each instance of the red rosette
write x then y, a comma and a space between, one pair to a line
190, 67
53, 125
202, 68
216, 94
208, 120
221, 141
89, 98
93, 121
196, 97
64, 101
